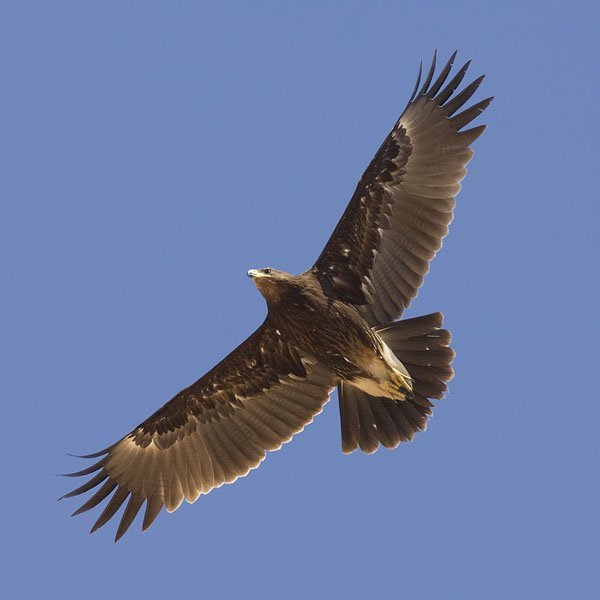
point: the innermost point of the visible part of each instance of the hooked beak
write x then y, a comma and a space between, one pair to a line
253, 273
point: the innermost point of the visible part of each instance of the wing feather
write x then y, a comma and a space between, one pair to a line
211, 433
403, 204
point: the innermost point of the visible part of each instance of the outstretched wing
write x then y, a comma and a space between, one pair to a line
399, 214
212, 432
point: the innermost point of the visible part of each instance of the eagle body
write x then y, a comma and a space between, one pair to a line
339, 324
332, 332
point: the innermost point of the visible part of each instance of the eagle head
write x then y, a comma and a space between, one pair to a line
271, 283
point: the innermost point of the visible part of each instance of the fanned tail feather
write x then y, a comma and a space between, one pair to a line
423, 347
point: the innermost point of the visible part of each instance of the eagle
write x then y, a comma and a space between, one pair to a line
336, 325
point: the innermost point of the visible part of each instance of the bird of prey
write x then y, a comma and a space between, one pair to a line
334, 325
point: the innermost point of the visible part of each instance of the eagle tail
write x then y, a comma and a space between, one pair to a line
423, 348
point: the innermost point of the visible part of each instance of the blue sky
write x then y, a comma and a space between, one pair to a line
152, 152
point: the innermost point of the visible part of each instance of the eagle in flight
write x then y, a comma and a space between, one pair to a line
334, 325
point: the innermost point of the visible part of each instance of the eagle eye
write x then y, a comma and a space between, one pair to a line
267, 271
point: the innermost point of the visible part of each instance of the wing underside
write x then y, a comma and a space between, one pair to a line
211, 433
399, 214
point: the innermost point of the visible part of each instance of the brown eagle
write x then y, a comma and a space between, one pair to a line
334, 325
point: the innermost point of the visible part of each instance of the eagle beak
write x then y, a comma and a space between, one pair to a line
253, 273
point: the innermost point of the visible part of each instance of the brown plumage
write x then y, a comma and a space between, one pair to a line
333, 325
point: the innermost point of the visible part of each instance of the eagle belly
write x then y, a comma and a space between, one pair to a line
384, 376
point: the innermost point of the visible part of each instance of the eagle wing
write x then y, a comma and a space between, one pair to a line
399, 214
210, 433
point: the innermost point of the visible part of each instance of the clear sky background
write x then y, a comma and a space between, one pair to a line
152, 152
